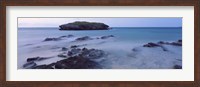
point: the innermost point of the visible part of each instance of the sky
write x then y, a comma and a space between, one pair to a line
112, 22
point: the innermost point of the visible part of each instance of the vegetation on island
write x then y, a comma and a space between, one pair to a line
83, 25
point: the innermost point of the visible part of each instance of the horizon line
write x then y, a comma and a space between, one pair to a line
110, 27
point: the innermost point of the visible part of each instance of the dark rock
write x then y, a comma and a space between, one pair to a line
177, 67
82, 61
74, 46
77, 62
64, 49
63, 56
161, 42
29, 65
32, 59
83, 38
82, 25
74, 51
37, 59
151, 45
180, 41
43, 67
62, 36
92, 53
105, 37
176, 43
134, 50
70, 35
84, 49
57, 39
52, 39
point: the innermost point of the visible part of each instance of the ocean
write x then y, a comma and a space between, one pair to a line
31, 44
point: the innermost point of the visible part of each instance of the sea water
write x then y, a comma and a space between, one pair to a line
30, 41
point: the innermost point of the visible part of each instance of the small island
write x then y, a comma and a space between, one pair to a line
83, 25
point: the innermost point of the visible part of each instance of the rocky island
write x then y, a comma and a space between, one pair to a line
83, 25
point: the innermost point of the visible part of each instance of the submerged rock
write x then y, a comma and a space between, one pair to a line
83, 25
70, 35
62, 55
52, 39
58, 38
67, 36
161, 42
83, 38
62, 36
29, 65
64, 49
106, 37
74, 46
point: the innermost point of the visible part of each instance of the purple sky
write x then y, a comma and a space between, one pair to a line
112, 22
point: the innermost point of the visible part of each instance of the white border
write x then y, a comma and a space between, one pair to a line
186, 74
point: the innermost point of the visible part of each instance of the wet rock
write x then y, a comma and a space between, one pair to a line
64, 49
92, 53
134, 50
78, 59
151, 45
29, 65
37, 59
83, 38
70, 35
176, 43
77, 62
74, 46
62, 36
43, 67
74, 51
52, 39
161, 42
177, 67
62, 55
180, 41
106, 37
